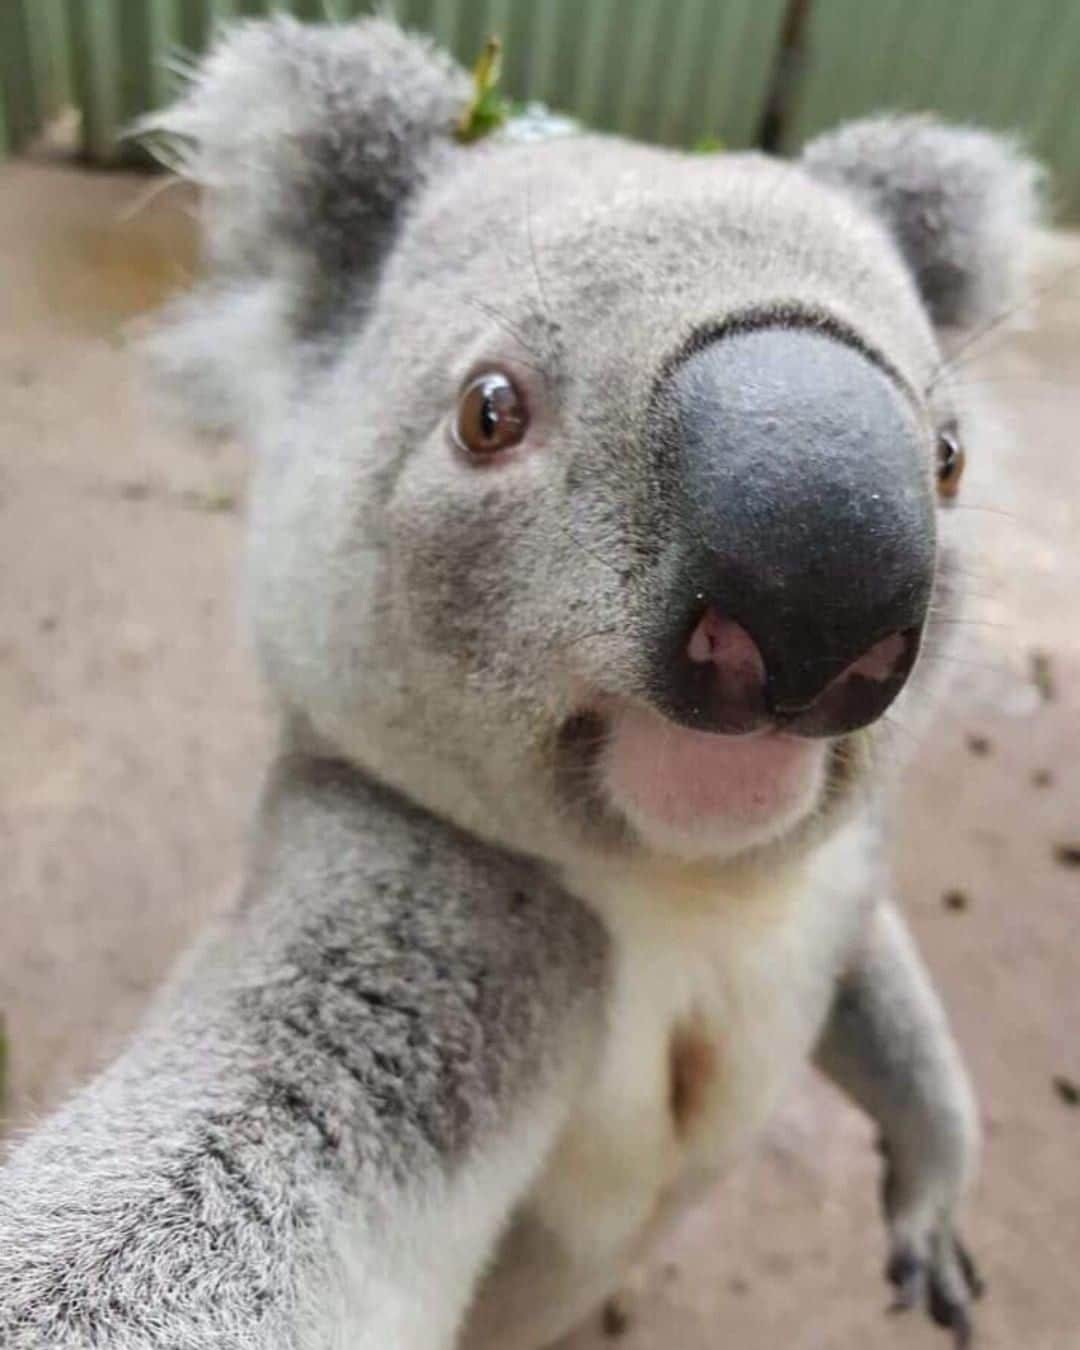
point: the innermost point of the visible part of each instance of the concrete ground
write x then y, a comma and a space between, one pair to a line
132, 738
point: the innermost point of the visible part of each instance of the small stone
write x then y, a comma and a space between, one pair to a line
979, 745
1068, 855
48, 623
1068, 1090
1042, 675
135, 492
1042, 778
615, 1320
956, 900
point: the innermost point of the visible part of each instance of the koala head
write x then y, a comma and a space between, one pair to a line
599, 490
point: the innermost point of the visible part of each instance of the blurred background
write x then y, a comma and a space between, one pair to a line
735, 73
132, 734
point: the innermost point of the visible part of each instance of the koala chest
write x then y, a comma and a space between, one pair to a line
715, 1002
714, 1007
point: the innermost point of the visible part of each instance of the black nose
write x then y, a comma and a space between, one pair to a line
735, 687
802, 535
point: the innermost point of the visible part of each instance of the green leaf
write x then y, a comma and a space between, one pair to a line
487, 110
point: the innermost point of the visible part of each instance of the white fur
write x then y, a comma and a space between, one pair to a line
752, 962
404, 1279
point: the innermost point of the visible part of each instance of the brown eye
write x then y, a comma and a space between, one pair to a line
950, 462
491, 415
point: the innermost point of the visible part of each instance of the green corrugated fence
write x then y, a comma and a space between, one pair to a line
1009, 64
34, 65
676, 71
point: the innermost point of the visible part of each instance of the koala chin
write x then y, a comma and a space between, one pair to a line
696, 794
598, 529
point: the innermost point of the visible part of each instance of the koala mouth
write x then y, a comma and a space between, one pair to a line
698, 793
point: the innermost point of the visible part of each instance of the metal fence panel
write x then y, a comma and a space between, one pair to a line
998, 63
675, 71
34, 79
20, 112
671, 70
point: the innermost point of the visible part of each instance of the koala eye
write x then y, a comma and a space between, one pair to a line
491, 415
950, 462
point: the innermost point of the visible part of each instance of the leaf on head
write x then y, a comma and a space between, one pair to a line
486, 110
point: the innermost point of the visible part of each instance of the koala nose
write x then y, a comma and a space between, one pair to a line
801, 531
740, 692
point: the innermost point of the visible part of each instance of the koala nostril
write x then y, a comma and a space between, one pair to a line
728, 646
737, 676
728, 688
881, 661
861, 692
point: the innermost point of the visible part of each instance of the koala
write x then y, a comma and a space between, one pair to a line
599, 524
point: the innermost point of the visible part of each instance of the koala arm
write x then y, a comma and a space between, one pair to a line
887, 1045
317, 1137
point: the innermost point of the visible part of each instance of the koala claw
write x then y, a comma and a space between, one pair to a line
943, 1277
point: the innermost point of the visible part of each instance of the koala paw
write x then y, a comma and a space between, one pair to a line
935, 1271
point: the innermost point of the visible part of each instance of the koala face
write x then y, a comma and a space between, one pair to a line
598, 499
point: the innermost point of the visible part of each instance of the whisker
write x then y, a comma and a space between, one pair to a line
986, 589
586, 637
148, 195
894, 725
965, 575
511, 329
1034, 381
945, 621
963, 354
990, 510
544, 305
567, 533
987, 667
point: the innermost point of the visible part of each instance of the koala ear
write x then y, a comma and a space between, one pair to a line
960, 204
307, 141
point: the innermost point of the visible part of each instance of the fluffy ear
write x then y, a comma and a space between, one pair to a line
960, 204
306, 142
308, 139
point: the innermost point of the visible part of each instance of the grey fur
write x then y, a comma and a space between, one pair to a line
384, 998
305, 195
953, 198
406, 993
887, 1044
350, 121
